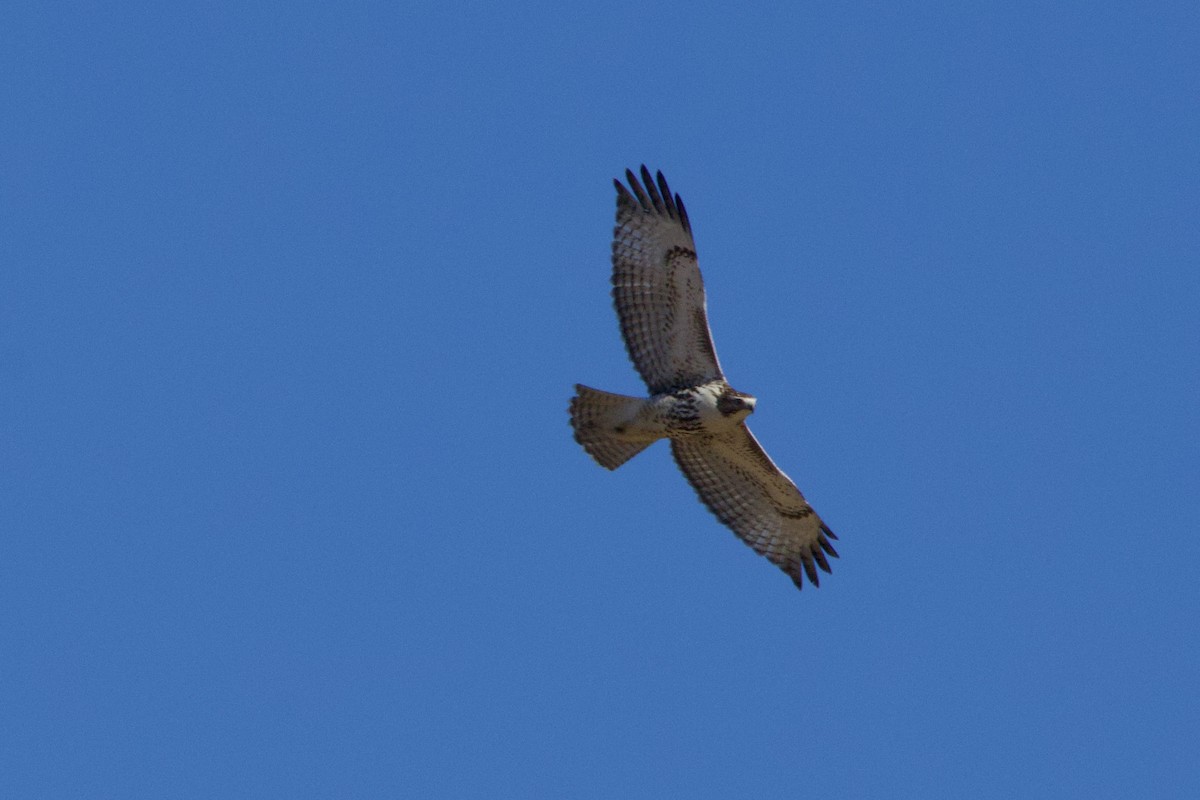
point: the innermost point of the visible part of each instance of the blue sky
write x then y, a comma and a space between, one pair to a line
293, 298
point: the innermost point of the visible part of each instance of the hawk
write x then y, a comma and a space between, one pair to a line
659, 298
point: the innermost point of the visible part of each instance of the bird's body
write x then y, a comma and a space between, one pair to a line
694, 411
659, 296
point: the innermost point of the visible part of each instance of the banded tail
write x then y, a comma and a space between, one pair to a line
599, 419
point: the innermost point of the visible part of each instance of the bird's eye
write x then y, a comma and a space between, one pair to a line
730, 405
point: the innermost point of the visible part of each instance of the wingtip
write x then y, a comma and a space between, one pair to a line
653, 193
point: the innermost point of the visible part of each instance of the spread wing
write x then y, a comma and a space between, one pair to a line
657, 288
740, 483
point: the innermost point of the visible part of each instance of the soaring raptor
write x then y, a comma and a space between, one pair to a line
659, 298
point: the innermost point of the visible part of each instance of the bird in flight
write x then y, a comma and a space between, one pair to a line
660, 302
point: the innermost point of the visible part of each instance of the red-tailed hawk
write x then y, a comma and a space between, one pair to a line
659, 297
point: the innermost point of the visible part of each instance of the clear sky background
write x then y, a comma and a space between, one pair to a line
292, 299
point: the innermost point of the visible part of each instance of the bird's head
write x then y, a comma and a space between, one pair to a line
736, 405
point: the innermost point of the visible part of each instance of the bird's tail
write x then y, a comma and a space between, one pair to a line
600, 419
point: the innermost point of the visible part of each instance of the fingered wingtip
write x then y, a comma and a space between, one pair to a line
653, 193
